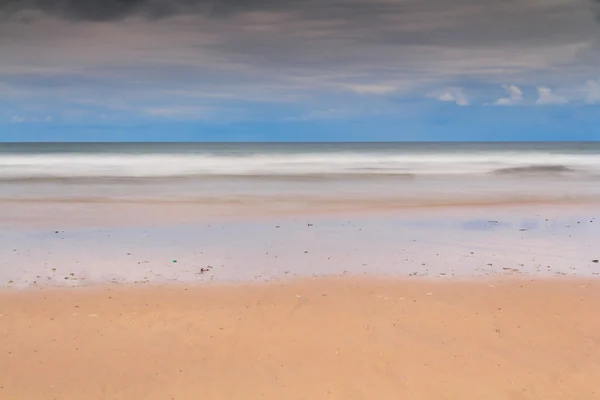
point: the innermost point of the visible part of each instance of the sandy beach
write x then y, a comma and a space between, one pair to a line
326, 338
117, 282
457, 303
299, 200
483, 303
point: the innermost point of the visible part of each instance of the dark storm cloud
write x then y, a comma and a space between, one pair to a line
107, 10
382, 21
596, 5
92, 10
319, 33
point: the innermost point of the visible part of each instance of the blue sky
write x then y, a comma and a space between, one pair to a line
299, 70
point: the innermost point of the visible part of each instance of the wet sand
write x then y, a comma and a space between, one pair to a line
325, 338
449, 243
33, 213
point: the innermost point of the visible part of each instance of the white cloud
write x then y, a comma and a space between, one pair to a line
592, 89
191, 112
547, 97
515, 96
370, 88
454, 95
17, 119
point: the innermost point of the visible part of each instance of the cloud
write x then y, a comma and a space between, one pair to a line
370, 88
107, 10
454, 95
115, 10
515, 96
17, 119
592, 89
117, 54
596, 6
547, 97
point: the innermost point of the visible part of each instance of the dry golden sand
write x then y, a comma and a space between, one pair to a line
313, 339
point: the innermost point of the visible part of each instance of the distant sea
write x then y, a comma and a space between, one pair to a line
399, 173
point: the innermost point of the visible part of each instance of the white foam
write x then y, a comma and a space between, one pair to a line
25, 166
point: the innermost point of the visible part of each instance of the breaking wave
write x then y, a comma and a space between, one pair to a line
81, 166
537, 170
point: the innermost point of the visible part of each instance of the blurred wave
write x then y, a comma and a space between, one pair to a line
538, 169
332, 176
35, 167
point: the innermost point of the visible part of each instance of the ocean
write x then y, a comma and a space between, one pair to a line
322, 174
78, 214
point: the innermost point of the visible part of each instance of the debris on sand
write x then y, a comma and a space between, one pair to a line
203, 269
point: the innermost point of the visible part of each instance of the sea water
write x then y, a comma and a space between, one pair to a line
401, 174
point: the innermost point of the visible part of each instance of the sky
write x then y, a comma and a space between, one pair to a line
299, 70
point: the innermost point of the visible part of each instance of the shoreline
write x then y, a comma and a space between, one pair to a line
376, 281
505, 278
40, 215
442, 243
